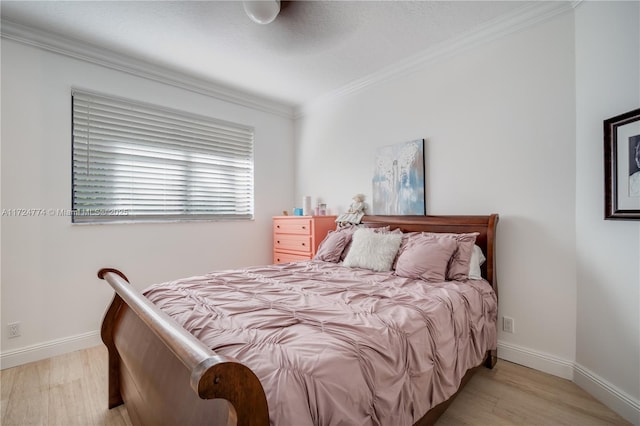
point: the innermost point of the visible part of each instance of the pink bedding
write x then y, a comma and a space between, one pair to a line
336, 345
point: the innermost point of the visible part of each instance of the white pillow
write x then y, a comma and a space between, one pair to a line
477, 259
373, 250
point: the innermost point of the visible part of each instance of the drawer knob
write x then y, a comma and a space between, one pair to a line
277, 226
304, 227
278, 241
303, 244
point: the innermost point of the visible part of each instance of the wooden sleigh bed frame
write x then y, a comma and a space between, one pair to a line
168, 377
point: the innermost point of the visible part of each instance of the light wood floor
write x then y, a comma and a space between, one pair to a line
72, 390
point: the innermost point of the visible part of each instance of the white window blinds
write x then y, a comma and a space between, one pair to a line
133, 161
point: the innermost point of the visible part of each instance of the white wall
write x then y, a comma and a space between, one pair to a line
49, 267
608, 252
514, 126
499, 126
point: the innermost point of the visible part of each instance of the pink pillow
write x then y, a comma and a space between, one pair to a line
348, 232
331, 248
425, 257
406, 237
461, 260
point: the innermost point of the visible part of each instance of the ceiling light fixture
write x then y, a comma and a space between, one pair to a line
263, 11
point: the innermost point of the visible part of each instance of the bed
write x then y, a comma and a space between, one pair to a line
273, 327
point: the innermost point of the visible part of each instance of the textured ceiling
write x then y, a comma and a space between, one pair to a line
312, 48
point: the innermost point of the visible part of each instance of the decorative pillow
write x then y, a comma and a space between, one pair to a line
459, 264
351, 229
331, 248
406, 238
348, 232
477, 259
373, 250
425, 257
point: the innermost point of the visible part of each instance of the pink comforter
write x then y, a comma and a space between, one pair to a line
339, 346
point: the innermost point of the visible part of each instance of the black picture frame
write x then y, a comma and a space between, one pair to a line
621, 175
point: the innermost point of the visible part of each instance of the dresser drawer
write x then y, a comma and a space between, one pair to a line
296, 238
292, 226
292, 242
288, 257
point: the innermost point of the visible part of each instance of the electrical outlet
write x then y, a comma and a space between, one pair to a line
14, 329
507, 325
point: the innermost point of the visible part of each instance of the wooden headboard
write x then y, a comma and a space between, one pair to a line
484, 225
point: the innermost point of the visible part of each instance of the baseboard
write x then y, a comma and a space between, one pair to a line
614, 398
48, 349
608, 394
537, 360
619, 401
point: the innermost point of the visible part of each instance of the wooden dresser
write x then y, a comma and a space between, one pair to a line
297, 238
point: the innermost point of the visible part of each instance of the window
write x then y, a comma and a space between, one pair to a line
137, 162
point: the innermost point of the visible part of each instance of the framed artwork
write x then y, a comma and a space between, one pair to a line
398, 179
622, 166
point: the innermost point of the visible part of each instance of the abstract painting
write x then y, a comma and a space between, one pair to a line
398, 179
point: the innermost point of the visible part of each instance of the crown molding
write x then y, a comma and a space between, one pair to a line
106, 58
500, 27
492, 30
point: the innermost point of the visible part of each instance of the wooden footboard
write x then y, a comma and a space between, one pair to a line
167, 376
